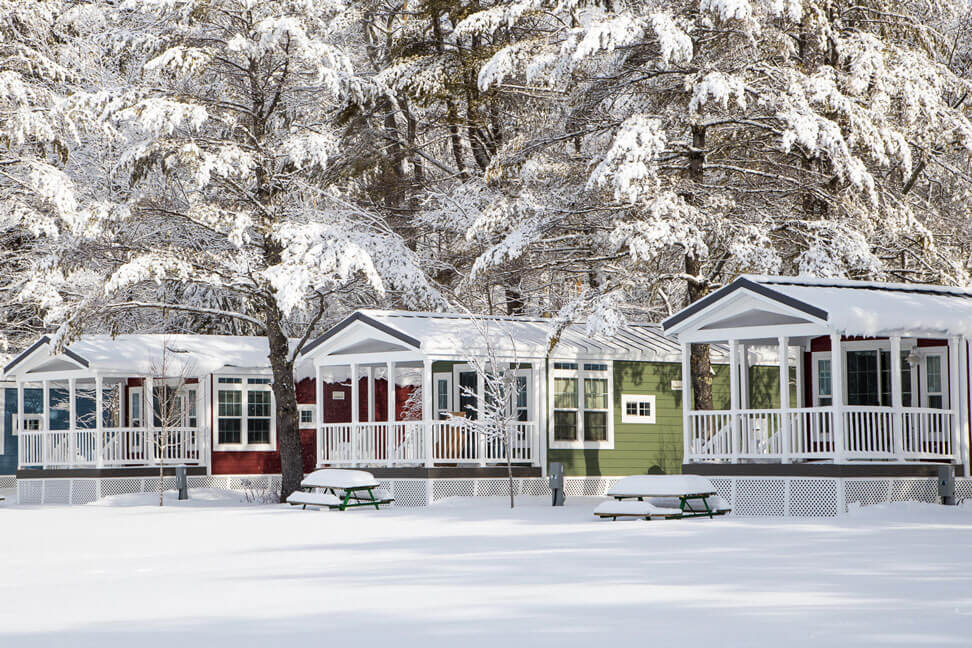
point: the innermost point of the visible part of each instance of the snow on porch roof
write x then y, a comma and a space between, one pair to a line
863, 308
143, 354
456, 334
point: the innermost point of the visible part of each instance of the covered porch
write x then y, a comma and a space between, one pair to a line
867, 372
431, 400
76, 412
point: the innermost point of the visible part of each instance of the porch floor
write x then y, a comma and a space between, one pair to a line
816, 469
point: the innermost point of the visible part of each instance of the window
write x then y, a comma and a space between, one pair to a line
337, 395
581, 405
135, 407
935, 394
244, 412
636, 408
306, 415
443, 395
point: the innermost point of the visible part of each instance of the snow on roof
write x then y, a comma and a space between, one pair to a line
144, 355
873, 308
452, 334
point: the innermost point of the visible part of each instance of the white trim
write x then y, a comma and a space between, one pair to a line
244, 388
581, 374
450, 406
132, 392
638, 399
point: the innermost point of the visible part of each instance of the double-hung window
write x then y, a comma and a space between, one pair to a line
244, 412
581, 394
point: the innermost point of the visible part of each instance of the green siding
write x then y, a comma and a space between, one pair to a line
657, 448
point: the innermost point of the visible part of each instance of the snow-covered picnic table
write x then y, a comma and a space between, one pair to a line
662, 496
339, 489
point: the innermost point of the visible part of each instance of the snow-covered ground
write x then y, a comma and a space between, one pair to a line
473, 573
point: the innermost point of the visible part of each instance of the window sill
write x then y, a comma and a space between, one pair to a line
582, 445
239, 447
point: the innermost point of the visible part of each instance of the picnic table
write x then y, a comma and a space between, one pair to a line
662, 496
339, 489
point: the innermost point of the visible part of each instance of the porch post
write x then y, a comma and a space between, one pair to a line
370, 372
20, 407
687, 397
480, 439
392, 406
837, 395
953, 393
46, 424
148, 413
963, 448
427, 411
319, 419
536, 369
784, 348
99, 425
734, 398
72, 421
744, 376
897, 400
354, 412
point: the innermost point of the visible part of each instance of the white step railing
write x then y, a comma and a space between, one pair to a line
711, 434
405, 443
79, 448
869, 433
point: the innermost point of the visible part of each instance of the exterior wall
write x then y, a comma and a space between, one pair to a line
249, 462
657, 448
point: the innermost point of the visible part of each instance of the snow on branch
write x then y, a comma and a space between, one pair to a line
629, 165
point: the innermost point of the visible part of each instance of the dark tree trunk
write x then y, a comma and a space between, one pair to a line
701, 364
285, 394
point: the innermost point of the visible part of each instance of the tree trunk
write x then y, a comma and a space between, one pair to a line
285, 395
701, 365
509, 463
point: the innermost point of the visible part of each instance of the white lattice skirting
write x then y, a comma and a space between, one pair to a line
749, 496
8, 481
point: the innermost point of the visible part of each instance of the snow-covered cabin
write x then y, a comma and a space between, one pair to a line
87, 407
883, 371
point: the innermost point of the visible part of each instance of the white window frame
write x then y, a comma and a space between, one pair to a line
436, 377
942, 354
638, 399
132, 391
243, 386
300, 411
581, 373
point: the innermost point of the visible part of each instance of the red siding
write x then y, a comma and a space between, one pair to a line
236, 462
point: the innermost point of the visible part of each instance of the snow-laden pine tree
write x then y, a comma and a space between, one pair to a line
45, 68
664, 147
233, 181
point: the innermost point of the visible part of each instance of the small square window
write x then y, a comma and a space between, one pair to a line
306, 414
637, 408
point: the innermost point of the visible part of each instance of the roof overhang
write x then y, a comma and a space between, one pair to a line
746, 310
357, 334
39, 352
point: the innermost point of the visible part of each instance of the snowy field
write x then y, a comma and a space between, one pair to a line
471, 573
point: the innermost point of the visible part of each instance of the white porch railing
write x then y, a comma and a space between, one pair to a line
405, 443
79, 448
869, 433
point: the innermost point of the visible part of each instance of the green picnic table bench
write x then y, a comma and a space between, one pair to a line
339, 489
662, 496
